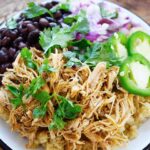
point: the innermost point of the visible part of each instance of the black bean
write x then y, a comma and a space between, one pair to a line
30, 27
24, 32
11, 52
50, 19
24, 24
52, 24
54, 2
3, 56
36, 24
58, 15
36, 19
17, 41
4, 31
33, 37
12, 34
4, 66
5, 41
22, 45
48, 5
43, 22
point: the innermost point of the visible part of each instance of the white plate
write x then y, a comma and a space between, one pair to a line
14, 141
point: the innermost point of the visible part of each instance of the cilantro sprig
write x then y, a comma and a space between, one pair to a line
17, 93
57, 37
60, 6
35, 10
27, 56
79, 22
11, 24
36, 84
43, 97
106, 14
65, 110
45, 67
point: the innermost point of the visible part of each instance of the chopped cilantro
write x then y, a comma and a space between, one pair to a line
69, 54
81, 24
35, 85
11, 24
101, 52
35, 10
80, 44
66, 110
55, 37
17, 93
43, 97
107, 14
46, 67
39, 111
60, 6
73, 62
27, 56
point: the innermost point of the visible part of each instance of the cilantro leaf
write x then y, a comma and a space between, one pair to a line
35, 10
66, 110
81, 44
39, 112
73, 62
55, 37
81, 25
57, 123
43, 97
13, 90
60, 6
17, 93
69, 54
27, 56
101, 52
46, 67
35, 85
107, 14
11, 24
16, 102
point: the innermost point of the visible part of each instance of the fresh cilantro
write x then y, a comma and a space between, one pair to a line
69, 54
60, 6
35, 10
46, 67
80, 44
53, 38
57, 123
70, 19
81, 24
43, 97
39, 111
73, 62
11, 24
66, 110
17, 93
35, 85
27, 56
99, 53
107, 14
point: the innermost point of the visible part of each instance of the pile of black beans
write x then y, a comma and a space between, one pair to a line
26, 34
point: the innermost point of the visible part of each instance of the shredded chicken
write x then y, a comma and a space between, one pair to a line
110, 115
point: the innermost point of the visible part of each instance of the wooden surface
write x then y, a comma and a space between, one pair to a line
139, 7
